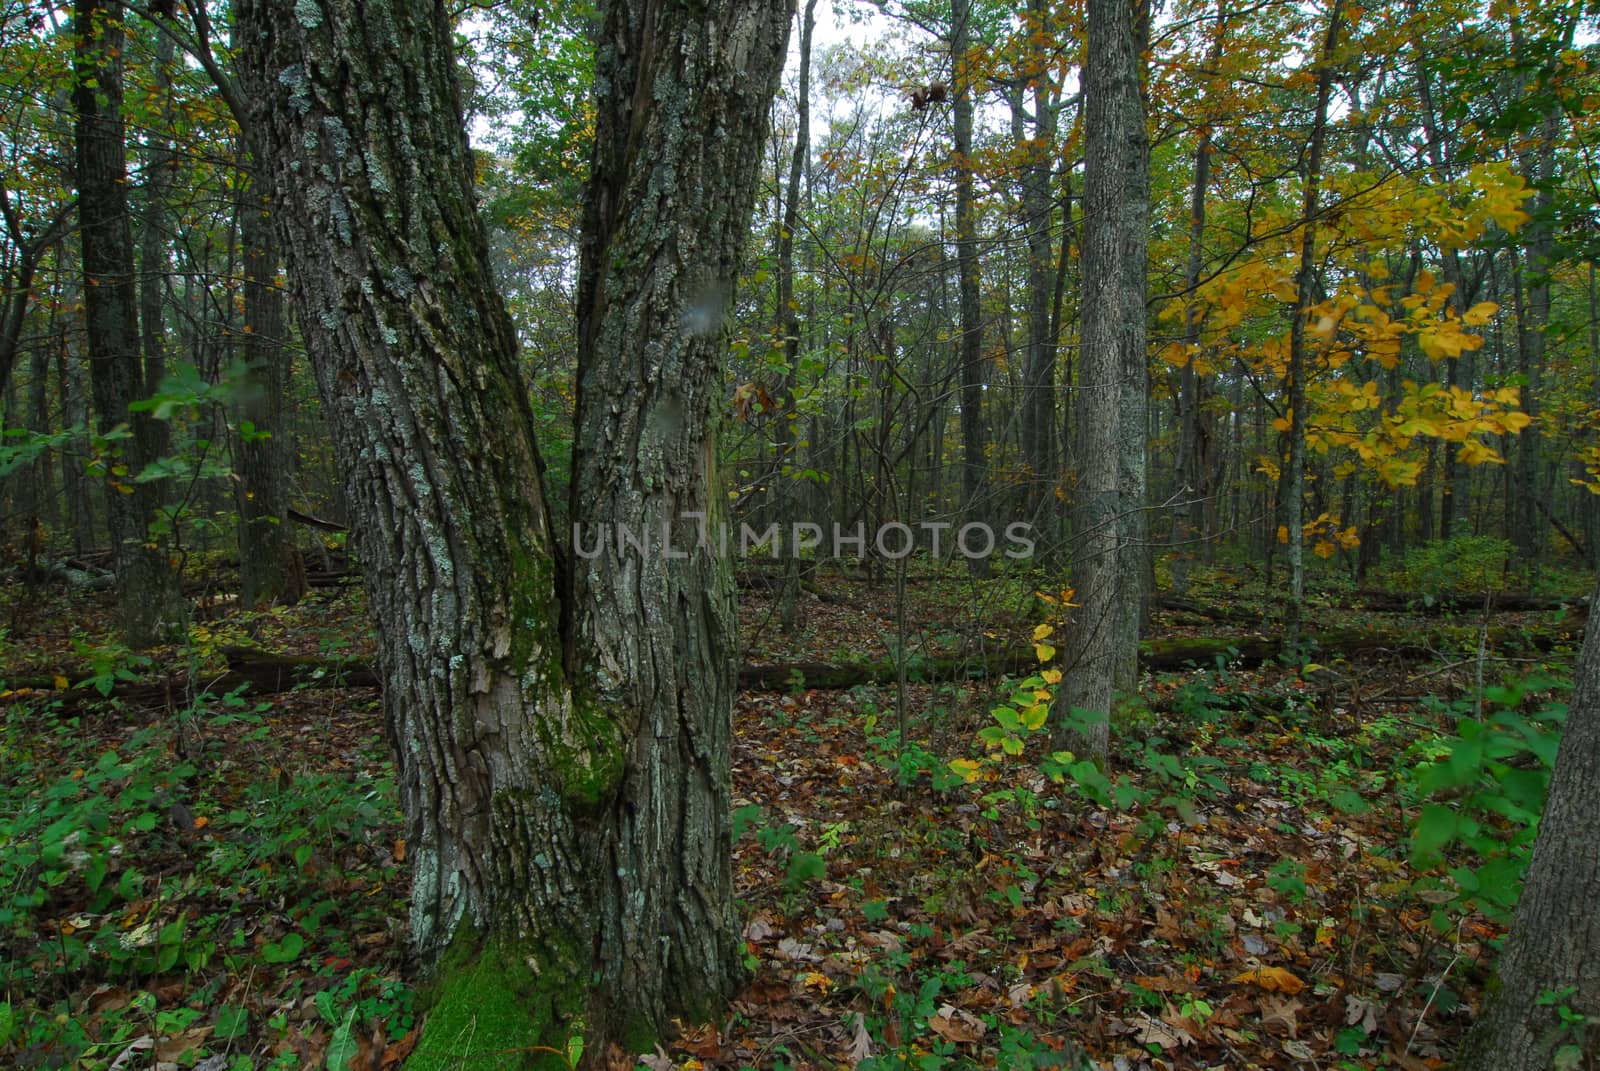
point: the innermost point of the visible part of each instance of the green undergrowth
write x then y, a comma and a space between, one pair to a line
201, 886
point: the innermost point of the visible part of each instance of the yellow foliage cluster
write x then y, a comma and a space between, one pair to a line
1324, 536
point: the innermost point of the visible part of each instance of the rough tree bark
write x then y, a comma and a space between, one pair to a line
149, 605
1554, 946
1103, 640
682, 121
562, 734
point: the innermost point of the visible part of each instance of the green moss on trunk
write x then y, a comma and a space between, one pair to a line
501, 1004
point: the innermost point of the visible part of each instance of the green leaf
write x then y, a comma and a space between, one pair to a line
804, 867
284, 951
1436, 827
342, 1047
233, 1020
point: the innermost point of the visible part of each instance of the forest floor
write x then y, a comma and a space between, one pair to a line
1304, 863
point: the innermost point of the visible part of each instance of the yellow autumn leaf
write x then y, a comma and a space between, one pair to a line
1272, 979
1480, 314
1051, 676
1283, 533
61, 683
1044, 652
967, 769
1042, 632
1474, 452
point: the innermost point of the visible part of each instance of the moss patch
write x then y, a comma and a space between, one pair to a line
490, 1009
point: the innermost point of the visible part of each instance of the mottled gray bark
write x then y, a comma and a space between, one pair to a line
681, 124
150, 608
1112, 382
1554, 946
562, 738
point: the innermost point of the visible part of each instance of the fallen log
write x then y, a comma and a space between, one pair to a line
1458, 602
266, 672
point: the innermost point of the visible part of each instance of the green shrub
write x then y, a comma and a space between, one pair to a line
1463, 564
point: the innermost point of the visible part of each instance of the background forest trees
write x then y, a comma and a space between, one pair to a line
1394, 219
1370, 313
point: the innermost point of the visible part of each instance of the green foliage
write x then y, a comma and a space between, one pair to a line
1571, 1038
782, 842
1482, 791
83, 840
1463, 564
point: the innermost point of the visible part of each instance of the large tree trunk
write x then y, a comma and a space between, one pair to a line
149, 606
1554, 946
1103, 639
563, 760
679, 137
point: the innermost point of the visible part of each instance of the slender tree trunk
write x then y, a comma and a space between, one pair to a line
1039, 366
789, 318
271, 570
1531, 284
1293, 483
1194, 476
74, 414
562, 733
1112, 380
974, 465
1554, 946
17, 286
149, 607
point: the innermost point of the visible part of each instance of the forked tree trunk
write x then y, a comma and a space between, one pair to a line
563, 761
1552, 957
